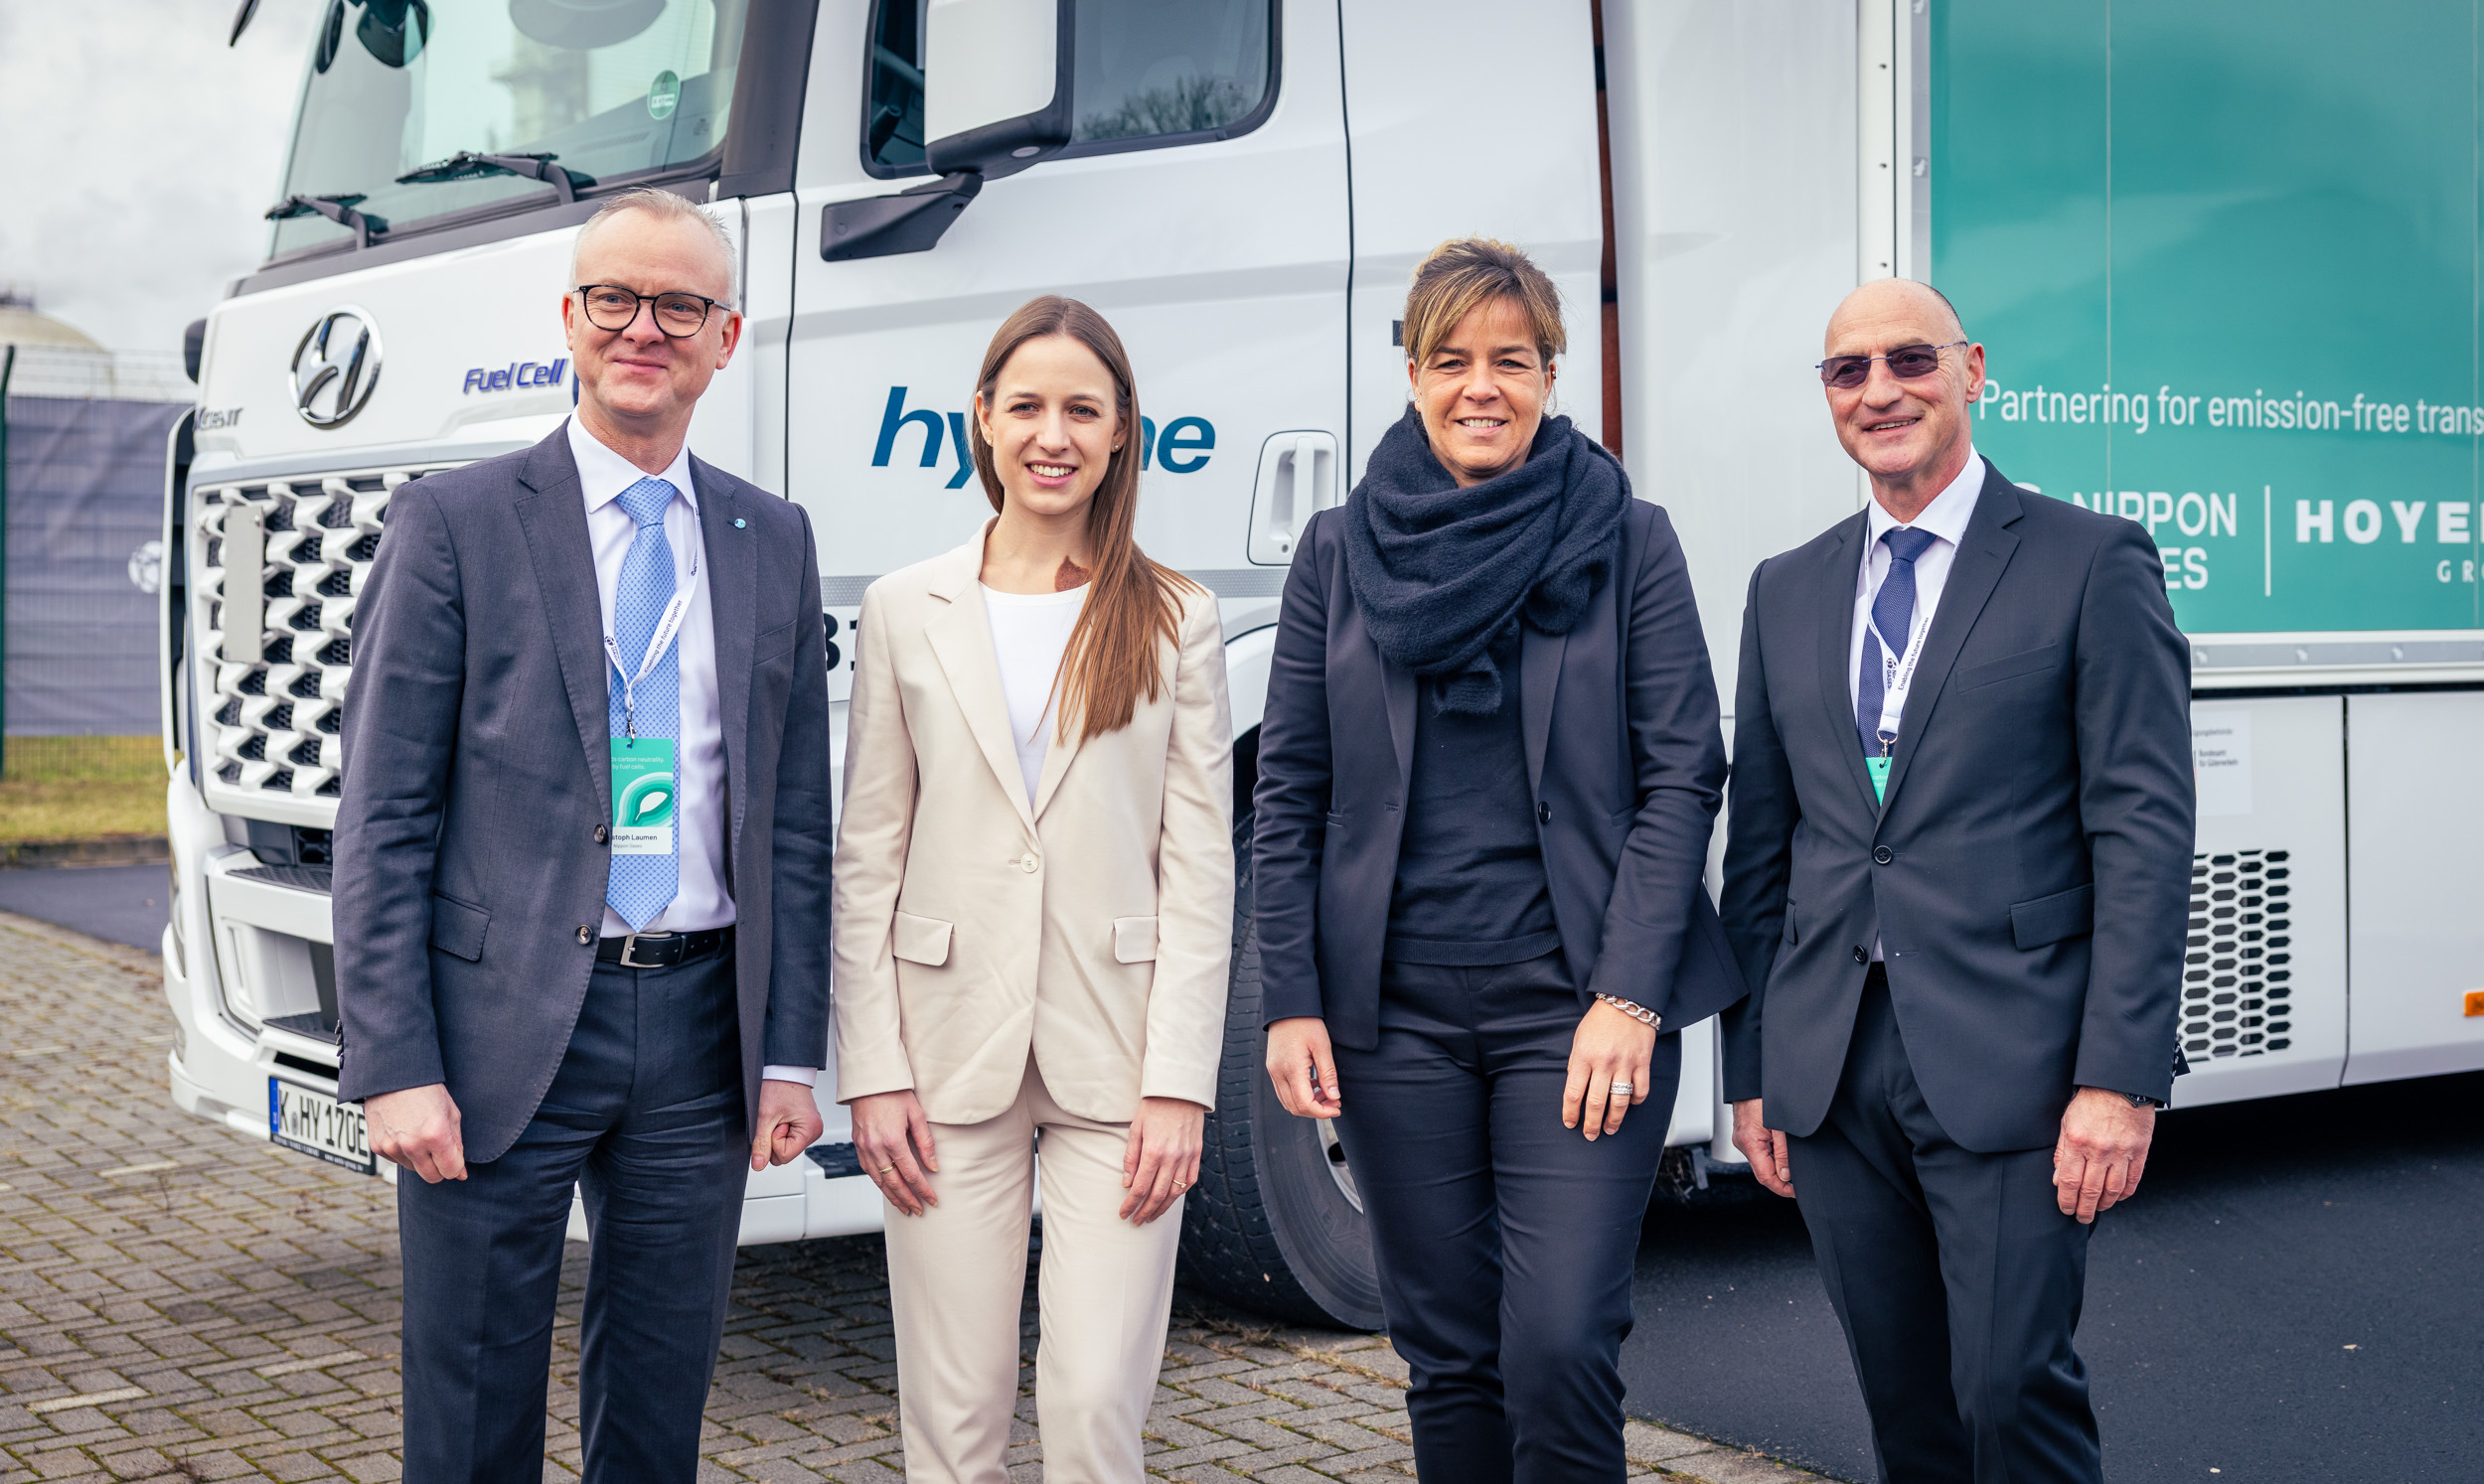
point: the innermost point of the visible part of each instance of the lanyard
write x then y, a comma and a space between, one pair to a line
1898, 674
668, 628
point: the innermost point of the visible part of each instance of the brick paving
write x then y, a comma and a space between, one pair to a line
181, 1302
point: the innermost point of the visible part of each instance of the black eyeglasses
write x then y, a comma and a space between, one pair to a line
1905, 362
612, 307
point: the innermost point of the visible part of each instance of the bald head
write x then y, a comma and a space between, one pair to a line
1886, 297
1912, 433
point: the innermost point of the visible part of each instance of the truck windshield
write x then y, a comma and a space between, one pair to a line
611, 89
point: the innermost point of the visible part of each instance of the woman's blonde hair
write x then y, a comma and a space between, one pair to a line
1465, 272
1132, 601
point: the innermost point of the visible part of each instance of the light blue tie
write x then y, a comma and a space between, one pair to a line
1893, 613
641, 885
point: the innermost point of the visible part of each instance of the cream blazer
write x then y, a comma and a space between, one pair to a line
1093, 929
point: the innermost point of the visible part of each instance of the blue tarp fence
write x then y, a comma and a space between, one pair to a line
85, 493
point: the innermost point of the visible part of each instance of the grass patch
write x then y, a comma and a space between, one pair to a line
81, 788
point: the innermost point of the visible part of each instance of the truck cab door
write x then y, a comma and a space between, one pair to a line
1200, 205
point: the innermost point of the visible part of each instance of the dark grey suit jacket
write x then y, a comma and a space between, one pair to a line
2030, 875
477, 770
1624, 759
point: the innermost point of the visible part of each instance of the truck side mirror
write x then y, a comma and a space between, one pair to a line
997, 83
995, 100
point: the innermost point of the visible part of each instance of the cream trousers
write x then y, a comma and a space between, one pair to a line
957, 1279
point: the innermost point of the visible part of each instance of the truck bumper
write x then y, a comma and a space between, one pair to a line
241, 975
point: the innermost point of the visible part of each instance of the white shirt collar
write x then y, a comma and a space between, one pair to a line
603, 474
1949, 513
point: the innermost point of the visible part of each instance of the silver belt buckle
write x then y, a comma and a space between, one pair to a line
629, 948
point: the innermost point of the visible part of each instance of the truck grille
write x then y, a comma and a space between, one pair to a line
2236, 982
274, 719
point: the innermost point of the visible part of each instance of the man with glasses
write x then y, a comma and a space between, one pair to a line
1957, 874
583, 877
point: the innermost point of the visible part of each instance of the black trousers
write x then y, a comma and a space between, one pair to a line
645, 1114
1955, 1275
1505, 1241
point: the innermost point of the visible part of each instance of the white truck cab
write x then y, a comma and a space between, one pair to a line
1242, 187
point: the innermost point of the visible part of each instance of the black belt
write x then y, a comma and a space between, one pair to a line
662, 950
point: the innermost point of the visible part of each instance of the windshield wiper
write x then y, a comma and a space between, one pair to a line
469, 164
338, 209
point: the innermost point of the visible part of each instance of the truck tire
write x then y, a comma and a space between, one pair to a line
1272, 1225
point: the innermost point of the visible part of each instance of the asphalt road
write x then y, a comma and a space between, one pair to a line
2296, 1293
119, 904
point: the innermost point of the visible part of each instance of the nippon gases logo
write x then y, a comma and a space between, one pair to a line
1182, 446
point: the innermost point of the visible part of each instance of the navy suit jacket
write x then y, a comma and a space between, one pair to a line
1623, 758
2030, 874
469, 881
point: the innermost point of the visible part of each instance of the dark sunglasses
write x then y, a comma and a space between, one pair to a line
1905, 362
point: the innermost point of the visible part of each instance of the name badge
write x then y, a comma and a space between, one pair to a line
643, 795
1878, 768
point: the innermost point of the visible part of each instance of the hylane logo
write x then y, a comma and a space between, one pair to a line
1183, 447
336, 366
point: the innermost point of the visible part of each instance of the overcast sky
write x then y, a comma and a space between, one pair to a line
137, 154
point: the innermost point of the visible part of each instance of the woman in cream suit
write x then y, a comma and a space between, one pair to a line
1034, 917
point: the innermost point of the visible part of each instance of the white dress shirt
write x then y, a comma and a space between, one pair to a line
1029, 634
701, 902
1944, 519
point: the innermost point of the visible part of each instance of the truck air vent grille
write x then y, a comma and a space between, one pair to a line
278, 708
2236, 985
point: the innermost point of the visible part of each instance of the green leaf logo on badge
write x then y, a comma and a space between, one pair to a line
647, 800
664, 94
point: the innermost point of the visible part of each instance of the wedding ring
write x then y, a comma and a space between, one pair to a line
1622, 1090
883, 1169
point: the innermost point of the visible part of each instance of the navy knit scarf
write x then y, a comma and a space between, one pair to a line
1441, 572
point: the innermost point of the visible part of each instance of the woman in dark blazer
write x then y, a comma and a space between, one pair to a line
1488, 772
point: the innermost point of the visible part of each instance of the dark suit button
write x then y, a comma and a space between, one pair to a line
1882, 855
604, 832
1543, 814
1861, 954
586, 935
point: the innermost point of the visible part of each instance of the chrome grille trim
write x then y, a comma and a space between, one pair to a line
275, 717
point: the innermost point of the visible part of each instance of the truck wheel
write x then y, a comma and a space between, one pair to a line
1273, 1223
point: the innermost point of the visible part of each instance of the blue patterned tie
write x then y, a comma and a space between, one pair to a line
641, 885
1893, 613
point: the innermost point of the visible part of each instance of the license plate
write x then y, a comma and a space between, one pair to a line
317, 1124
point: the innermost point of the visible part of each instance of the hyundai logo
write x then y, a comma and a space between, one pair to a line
336, 366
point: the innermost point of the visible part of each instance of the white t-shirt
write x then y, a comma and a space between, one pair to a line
1029, 634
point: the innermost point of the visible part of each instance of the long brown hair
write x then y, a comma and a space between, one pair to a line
1132, 601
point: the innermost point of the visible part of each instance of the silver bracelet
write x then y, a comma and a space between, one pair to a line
1634, 1010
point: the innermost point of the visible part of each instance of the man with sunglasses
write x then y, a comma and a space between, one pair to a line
1957, 874
583, 877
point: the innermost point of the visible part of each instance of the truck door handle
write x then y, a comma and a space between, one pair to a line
1291, 490
1296, 490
